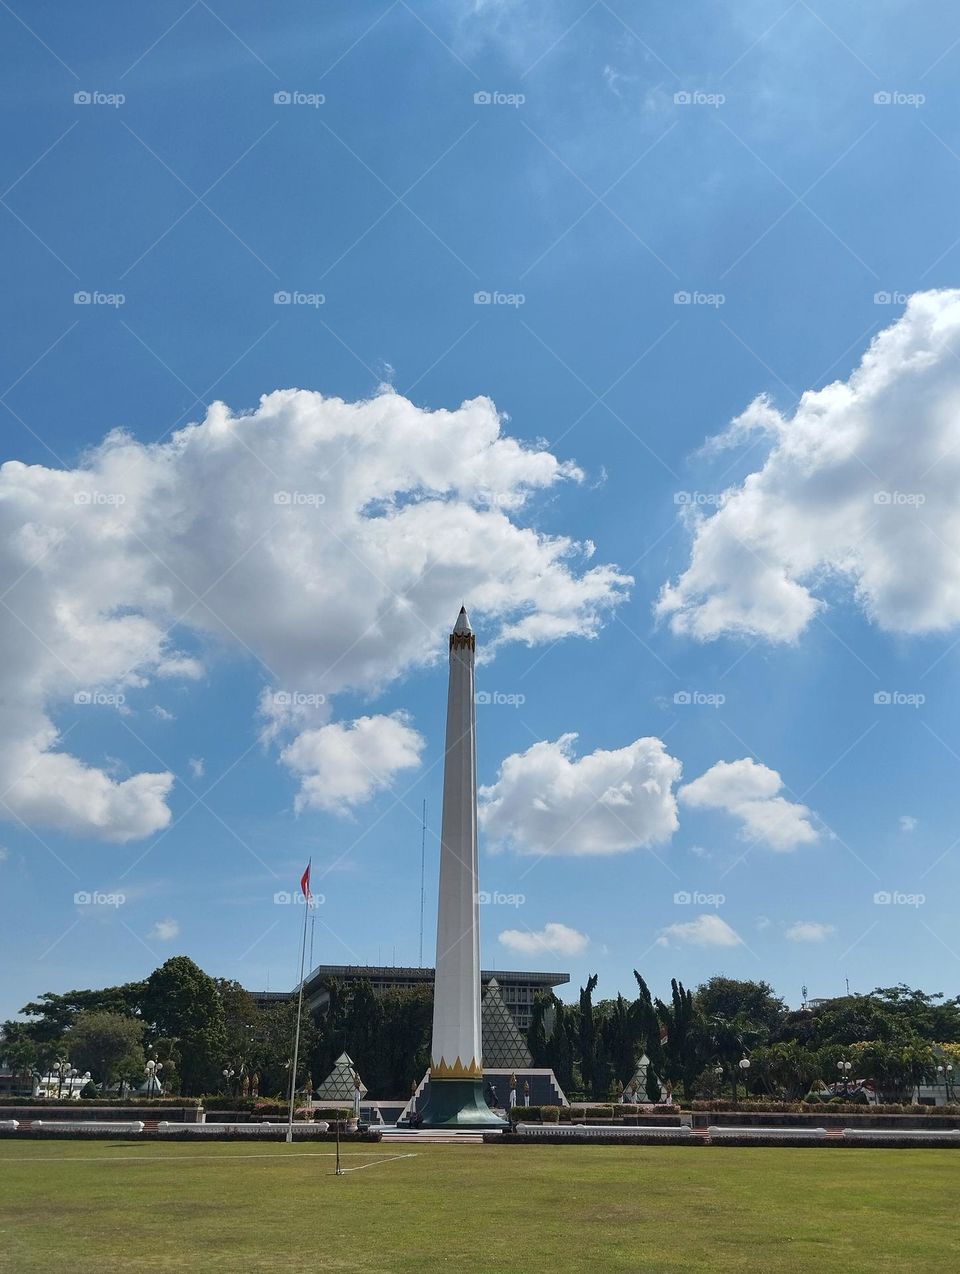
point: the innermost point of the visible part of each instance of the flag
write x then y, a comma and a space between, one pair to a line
305, 883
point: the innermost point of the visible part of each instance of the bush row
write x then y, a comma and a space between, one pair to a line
835, 1105
65, 1103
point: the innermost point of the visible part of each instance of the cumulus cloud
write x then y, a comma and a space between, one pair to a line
343, 764
861, 486
809, 931
908, 823
165, 931
750, 792
330, 540
197, 766
557, 939
708, 930
548, 801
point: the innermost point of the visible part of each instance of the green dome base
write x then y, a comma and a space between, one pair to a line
458, 1103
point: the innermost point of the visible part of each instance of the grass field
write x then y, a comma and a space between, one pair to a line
112, 1205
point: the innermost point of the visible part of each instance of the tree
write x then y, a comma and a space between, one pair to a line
752, 1004
648, 1024
108, 1045
587, 1032
181, 1002
621, 1039
682, 1058
239, 1024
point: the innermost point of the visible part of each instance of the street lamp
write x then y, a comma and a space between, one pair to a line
947, 1073
845, 1068
151, 1070
63, 1069
718, 1071
744, 1064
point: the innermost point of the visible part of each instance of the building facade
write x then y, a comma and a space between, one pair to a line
517, 989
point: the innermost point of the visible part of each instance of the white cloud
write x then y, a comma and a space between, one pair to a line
333, 541
763, 922
908, 823
708, 930
547, 801
4, 853
861, 486
557, 939
197, 766
164, 931
343, 764
162, 714
809, 931
750, 792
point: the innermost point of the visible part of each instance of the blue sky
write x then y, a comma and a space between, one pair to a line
672, 214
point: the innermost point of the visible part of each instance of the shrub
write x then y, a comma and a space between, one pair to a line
229, 1103
598, 1112
550, 1114
333, 1114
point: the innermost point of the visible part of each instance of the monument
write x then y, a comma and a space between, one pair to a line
455, 1098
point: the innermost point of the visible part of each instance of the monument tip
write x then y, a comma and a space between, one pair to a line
463, 623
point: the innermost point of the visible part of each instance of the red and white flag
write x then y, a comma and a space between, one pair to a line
305, 883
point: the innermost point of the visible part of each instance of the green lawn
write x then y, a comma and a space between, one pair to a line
114, 1205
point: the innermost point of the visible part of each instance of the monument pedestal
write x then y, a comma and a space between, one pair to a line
458, 1103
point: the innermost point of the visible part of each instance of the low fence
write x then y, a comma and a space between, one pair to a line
821, 1119
65, 1130
90, 1112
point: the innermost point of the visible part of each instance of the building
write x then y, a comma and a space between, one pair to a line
516, 988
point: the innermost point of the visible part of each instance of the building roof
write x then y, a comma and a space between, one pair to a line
407, 973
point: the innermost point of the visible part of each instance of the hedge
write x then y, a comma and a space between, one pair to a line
65, 1103
837, 1107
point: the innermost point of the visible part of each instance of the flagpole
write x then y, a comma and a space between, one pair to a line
296, 1038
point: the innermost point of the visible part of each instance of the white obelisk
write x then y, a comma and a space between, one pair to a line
456, 1074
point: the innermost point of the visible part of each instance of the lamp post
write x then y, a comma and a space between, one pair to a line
947, 1073
228, 1074
151, 1070
718, 1071
62, 1068
845, 1068
744, 1064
